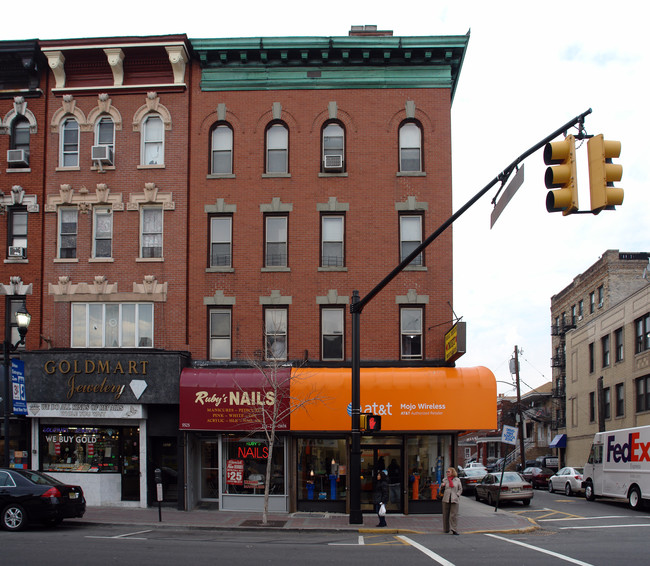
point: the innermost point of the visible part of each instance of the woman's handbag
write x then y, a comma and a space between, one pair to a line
382, 510
441, 492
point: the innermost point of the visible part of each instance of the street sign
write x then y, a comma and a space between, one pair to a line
509, 435
510, 191
18, 387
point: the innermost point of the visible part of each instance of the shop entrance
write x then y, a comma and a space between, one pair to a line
130, 451
164, 456
376, 458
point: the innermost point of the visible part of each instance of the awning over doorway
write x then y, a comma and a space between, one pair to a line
559, 441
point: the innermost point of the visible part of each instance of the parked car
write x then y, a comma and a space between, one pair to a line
475, 465
513, 488
495, 465
469, 478
538, 477
568, 480
28, 496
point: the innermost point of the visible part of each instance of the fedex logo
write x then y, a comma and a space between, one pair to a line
631, 451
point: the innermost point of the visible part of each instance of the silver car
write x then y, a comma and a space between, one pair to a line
513, 488
568, 480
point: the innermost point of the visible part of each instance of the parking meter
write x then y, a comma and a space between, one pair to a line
158, 479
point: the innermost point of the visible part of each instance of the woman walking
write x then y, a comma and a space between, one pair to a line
452, 489
380, 495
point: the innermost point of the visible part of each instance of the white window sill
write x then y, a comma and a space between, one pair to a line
410, 174
66, 260
220, 269
153, 166
19, 170
340, 174
333, 268
76, 168
16, 260
220, 176
415, 268
100, 260
276, 175
275, 268
149, 259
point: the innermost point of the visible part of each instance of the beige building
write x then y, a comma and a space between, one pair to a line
601, 351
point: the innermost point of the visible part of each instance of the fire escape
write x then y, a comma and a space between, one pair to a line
558, 363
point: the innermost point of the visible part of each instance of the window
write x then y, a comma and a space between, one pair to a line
105, 132
69, 156
332, 241
220, 334
592, 302
276, 241
643, 394
604, 341
333, 147
151, 232
592, 407
642, 334
410, 236
17, 230
67, 233
618, 345
277, 149
410, 148
275, 333
153, 140
20, 140
332, 325
411, 333
102, 233
601, 296
574, 315
592, 359
607, 402
112, 325
620, 400
581, 307
221, 241
222, 150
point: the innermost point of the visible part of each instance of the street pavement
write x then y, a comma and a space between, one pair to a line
473, 517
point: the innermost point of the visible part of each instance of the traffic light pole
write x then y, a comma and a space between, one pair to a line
358, 304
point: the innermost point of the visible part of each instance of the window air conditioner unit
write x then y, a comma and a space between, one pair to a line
103, 153
333, 162
16, 251
17, 157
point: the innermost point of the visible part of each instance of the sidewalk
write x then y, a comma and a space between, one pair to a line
473, 517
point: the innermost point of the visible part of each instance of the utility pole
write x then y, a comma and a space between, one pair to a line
520, 419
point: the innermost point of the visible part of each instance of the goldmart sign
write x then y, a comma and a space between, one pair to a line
455, 341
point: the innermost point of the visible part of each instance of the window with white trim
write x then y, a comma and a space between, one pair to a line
151, 232
332, 330
69, 148
222, 145
105, 132
112, 325
411, 333
410, 148
153, 140
68, 232
277, 149
220, 334
275, 333
17, 229
332, 240
276, 241
102, 233
333, 148
410, 235
20, 139
221, 241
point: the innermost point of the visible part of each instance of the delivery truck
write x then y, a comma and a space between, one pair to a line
619, 466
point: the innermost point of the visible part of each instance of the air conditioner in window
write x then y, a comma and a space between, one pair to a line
103, 153
16, 251
17, 157
333, 162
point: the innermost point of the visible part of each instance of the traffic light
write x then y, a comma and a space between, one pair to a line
363, 421
561, 176
603, 173
369, 422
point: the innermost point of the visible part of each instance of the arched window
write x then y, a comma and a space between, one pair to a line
410, 147
69, 150
19, 154
105, 132
333, 147
153, 140
221, 150
277, 149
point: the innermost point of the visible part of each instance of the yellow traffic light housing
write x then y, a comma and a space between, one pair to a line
603, 173
363, 421
561, 176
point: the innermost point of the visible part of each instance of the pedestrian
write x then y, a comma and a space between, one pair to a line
380, 495
452, 489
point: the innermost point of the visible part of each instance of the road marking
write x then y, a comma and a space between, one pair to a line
129, 535
360, 542
542, 550
439, 559
576, 518
605, 526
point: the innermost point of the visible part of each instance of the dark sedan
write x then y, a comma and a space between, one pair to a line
27, 496
469, 477
538, 477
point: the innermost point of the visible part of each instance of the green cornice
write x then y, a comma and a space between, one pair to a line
282, 63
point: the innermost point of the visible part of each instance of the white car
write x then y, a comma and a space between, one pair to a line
567, 479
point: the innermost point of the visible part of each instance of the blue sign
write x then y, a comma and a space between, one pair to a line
509, 435
18, 387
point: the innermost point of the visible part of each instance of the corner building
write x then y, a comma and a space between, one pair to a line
317, 164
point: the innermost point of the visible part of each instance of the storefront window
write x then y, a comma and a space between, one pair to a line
80, 448
427, 458
245, 466
322, 469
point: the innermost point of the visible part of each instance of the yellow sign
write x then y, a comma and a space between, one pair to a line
455, 341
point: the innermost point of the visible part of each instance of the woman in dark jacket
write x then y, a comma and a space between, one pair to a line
380, 495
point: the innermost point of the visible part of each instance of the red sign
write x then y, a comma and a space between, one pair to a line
235, 472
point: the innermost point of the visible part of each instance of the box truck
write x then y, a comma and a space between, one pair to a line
619, 466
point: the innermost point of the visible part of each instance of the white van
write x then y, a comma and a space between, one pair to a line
619, 466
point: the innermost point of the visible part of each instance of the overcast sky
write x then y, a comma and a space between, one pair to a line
530, 68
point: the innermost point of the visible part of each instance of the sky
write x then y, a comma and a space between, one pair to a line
529, 69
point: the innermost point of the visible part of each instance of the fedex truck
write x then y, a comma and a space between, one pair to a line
619, 466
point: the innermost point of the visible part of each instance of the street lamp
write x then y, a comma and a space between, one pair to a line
23, 319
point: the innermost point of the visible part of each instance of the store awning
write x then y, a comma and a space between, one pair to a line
559, 441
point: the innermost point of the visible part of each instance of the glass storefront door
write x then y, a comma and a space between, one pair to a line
130, 453
378, 458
